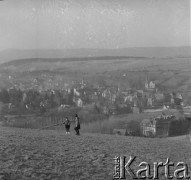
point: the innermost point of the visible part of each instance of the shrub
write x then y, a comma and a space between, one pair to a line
179, 127
105, 126
134, 128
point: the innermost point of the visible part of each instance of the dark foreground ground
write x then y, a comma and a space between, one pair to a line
47, 154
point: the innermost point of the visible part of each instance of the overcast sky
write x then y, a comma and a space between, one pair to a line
61, 24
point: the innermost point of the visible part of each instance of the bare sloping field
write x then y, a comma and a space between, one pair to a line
47, 154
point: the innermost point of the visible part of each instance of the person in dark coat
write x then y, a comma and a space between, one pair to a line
77, 125
67, 125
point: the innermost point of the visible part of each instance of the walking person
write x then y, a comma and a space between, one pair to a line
77, 125
67, 125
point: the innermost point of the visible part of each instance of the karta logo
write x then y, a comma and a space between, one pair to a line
123, 168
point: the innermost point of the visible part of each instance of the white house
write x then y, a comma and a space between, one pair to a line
149, 101
79, 102
152, 85
179, 96
76, 93
149, 85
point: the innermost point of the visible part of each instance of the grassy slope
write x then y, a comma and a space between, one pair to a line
32, 154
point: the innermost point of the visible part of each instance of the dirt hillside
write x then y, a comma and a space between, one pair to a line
47, 154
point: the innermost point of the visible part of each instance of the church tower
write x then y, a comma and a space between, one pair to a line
146, 83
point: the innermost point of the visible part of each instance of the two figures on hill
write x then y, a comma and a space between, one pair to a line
77, 125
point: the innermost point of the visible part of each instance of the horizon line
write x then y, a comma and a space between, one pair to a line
189, 46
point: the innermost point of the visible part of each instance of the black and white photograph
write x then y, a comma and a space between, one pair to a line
95, 89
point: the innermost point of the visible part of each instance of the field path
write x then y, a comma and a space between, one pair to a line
48, 154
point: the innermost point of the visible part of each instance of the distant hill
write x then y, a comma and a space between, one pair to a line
20, 62
13, 54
